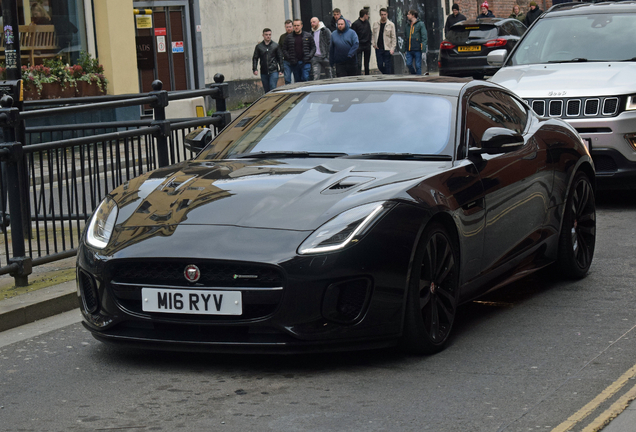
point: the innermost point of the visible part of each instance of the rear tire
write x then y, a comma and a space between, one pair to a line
431, 303
578, 230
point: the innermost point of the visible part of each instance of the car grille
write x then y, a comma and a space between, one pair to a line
263, 285
576, 107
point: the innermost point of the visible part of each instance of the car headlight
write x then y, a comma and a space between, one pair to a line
631, 103
102, 223
344, 229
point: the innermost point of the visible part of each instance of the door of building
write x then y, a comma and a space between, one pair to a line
164, 50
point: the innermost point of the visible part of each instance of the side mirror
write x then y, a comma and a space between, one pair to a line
497, 57
196, 140
499, 140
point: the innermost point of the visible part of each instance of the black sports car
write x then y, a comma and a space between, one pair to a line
357, 212
465, 50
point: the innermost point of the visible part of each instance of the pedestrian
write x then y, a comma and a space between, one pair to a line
271, 59
281, 44
362, 27
485, 11
343, 51
322, 40
453, 18
517, 14
335, 16
532, 14
416, 42
384, 42
299, 49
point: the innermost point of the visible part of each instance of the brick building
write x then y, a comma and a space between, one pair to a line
501, 8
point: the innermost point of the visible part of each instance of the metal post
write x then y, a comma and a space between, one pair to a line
221, 101
159, 107
14, 162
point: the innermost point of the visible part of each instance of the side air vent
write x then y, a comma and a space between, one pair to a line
346, 184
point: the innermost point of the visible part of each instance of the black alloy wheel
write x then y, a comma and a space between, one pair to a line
433, 293
578, 231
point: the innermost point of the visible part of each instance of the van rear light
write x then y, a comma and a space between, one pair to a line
446, 46
496, 43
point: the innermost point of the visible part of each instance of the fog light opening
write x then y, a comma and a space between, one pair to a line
345, 302
88, 292
631, 138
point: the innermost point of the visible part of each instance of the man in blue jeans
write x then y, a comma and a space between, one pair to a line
271, 59
299, 49
289, 28
416, 40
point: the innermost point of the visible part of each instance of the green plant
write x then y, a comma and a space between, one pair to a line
35, 76
89, 70
61, 71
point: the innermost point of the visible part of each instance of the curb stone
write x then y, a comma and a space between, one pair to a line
36, 305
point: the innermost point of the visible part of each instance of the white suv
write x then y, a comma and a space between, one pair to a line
578, 62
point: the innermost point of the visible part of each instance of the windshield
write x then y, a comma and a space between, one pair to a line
596, 37
345, 122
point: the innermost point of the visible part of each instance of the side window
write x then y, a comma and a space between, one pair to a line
509, 29
493, 108
521, 28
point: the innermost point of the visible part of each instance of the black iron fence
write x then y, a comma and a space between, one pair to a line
51, 185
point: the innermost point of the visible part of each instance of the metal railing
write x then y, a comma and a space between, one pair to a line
53, 186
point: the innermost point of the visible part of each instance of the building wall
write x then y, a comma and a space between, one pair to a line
115, 37
501, 8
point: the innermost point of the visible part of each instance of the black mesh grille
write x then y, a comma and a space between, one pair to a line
213, 273
352, 298
604, 164
556, 107
88, 290
591, 106
574, 107
609, 106
539, 107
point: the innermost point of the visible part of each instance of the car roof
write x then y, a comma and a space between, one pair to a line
477, 21
443, 86
579, 8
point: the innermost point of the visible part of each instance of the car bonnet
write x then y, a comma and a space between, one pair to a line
569, 79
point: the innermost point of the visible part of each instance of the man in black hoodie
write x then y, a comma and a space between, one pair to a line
453, 18
532, 14
363, 29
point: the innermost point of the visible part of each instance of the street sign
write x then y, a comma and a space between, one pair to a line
161, 44
177, 47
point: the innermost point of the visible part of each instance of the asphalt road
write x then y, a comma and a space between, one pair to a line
524, 358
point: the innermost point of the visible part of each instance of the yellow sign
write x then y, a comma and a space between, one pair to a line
144, 21
200, 111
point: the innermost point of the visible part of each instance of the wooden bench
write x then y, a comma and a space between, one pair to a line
36, 42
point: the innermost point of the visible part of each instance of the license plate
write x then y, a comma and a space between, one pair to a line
202, 302
469, 48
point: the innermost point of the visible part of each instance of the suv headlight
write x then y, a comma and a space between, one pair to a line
102, 223
631, 103
346, 228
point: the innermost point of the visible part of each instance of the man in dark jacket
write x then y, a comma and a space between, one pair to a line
485, 11
289, 27
335, 16
532, 14
322, 39
416, 39
362, 27
453, 18
343, 50
299, 49
271, 59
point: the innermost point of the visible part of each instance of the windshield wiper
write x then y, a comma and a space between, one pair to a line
574, 60
400, 156
285, 154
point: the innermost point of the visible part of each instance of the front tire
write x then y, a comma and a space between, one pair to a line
432, 298
578, 231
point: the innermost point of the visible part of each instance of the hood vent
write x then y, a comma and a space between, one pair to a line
346, 184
